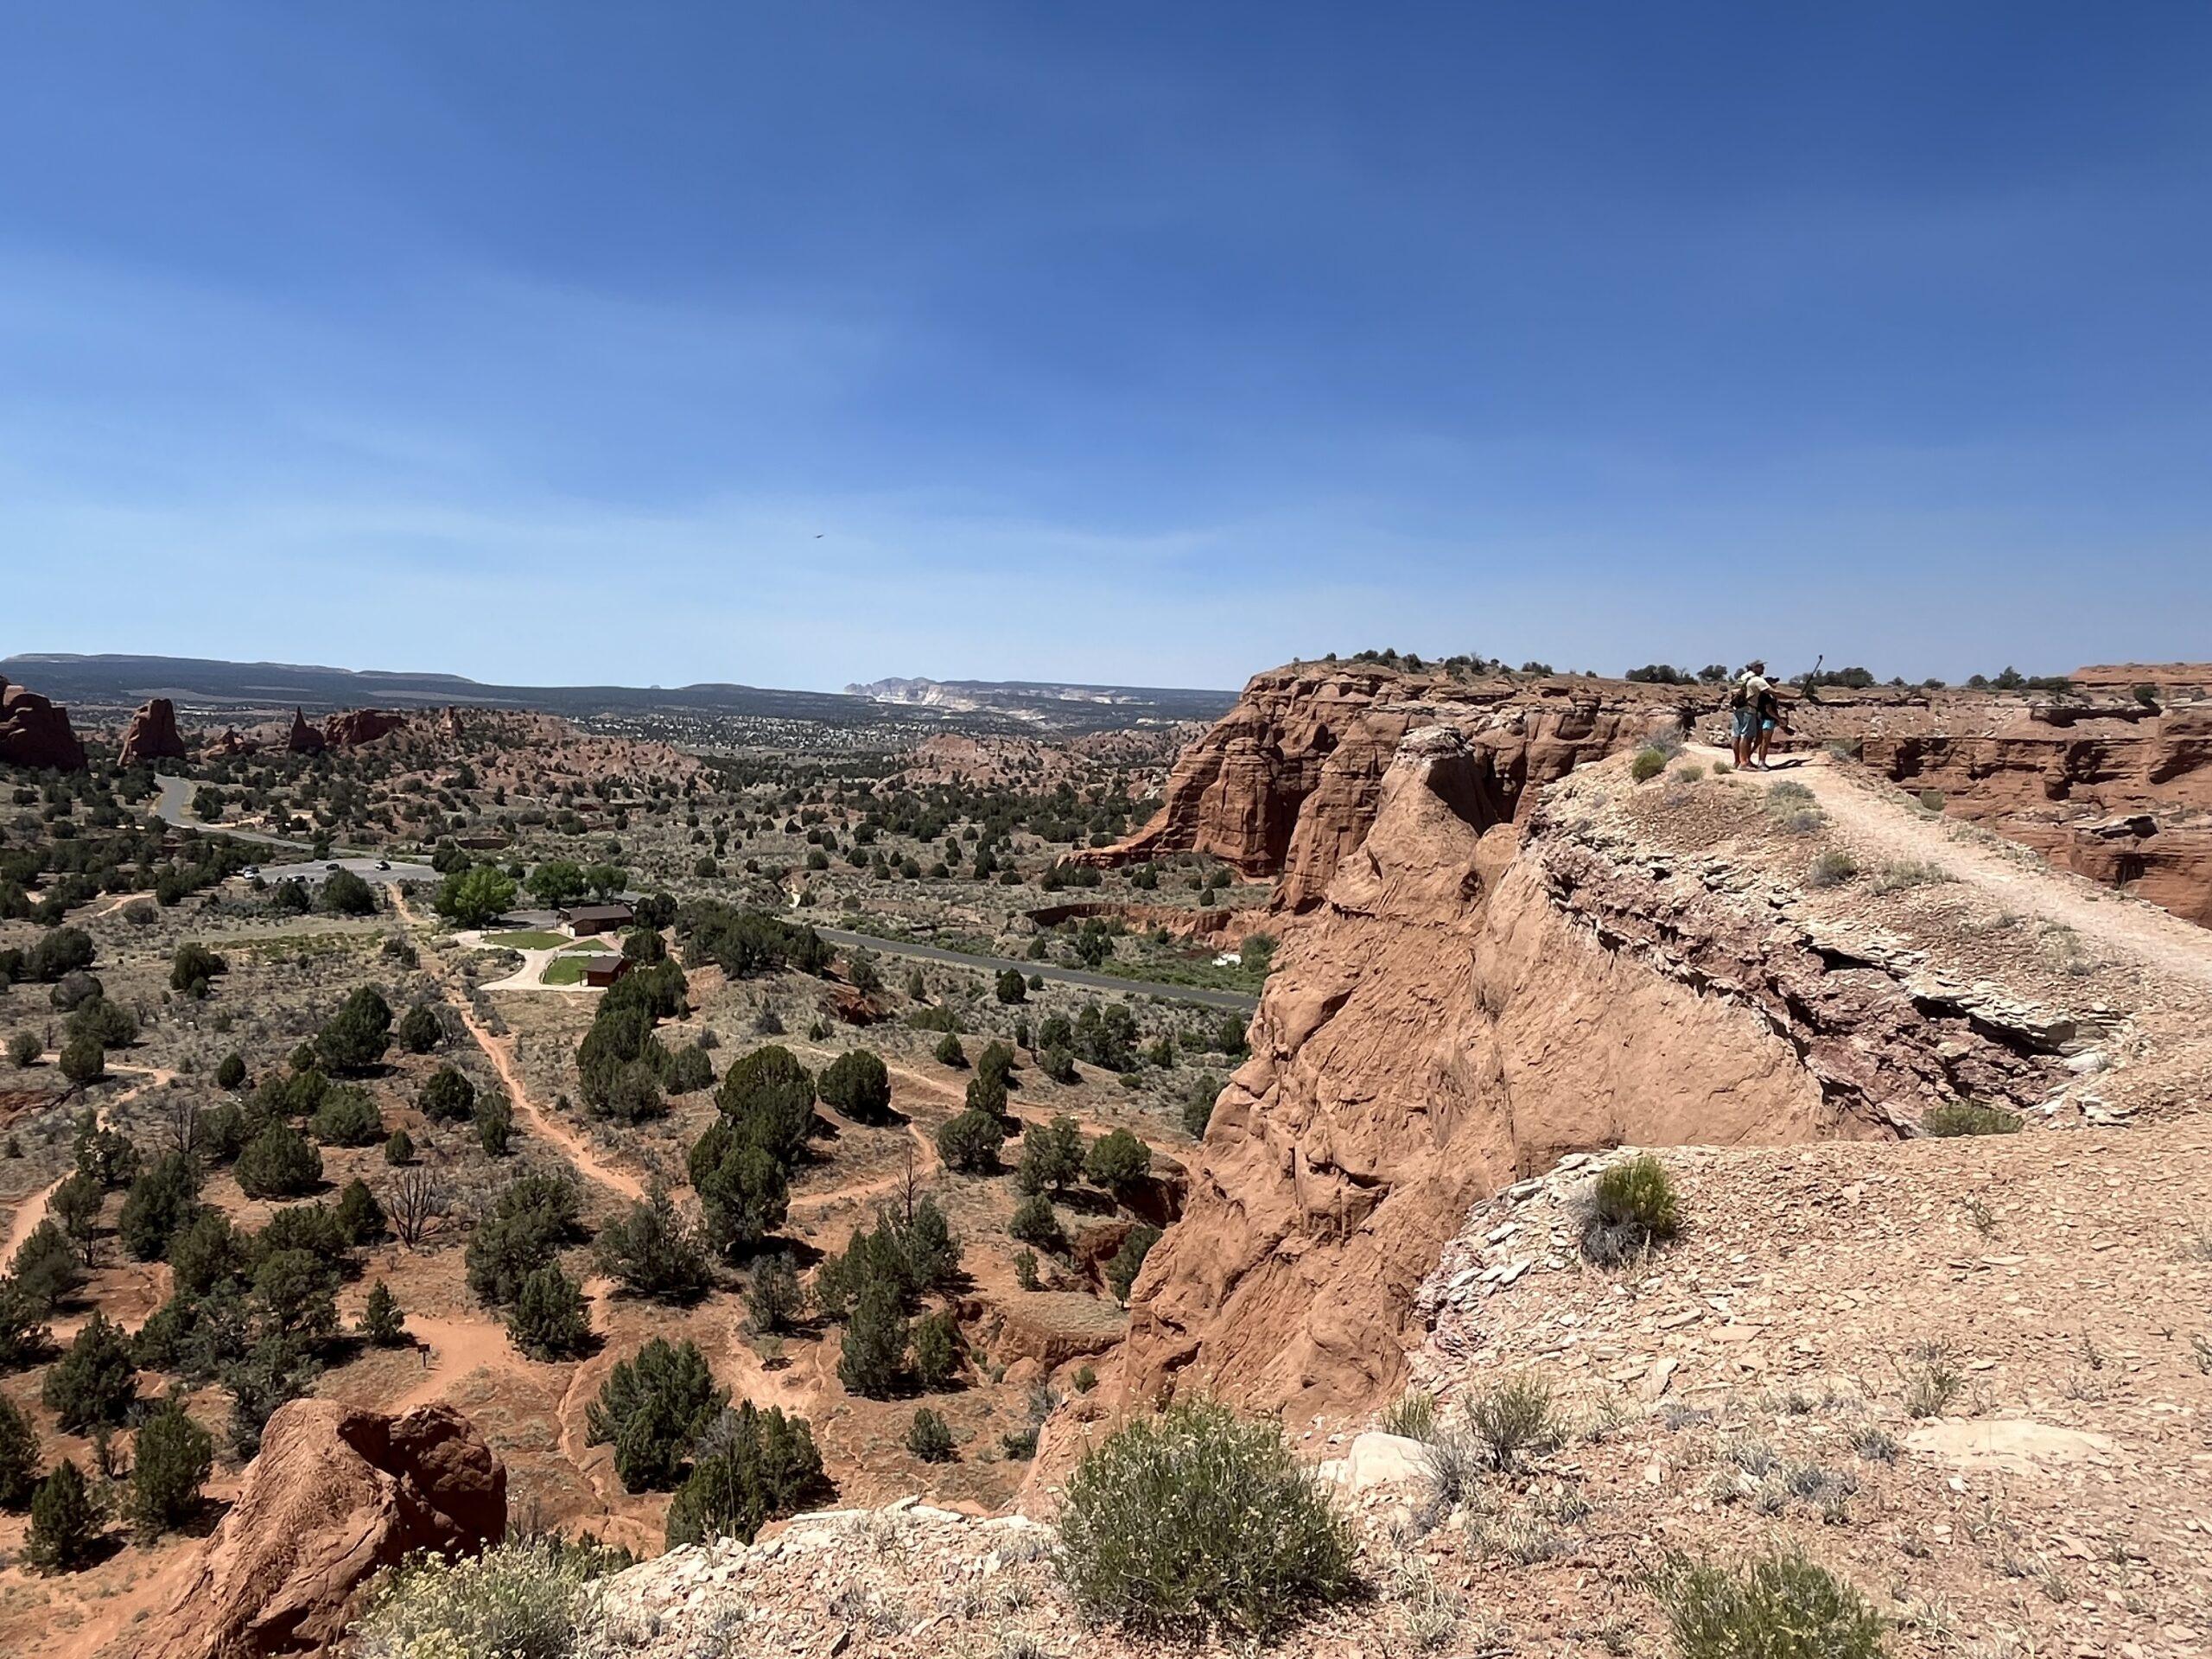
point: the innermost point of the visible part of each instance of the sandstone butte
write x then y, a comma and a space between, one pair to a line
34, 731
2102, 784
152, 734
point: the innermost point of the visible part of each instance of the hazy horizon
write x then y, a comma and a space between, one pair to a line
812, 344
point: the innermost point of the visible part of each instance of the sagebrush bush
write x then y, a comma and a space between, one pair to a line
1196, 1520
1649, 764
1512, 1417
1831, 868
519, 1601
1633, 1206
1776, 1606
1957, 1117
1413, 1415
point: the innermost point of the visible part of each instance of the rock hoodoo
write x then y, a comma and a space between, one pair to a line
336, 1495
304, 739
152, 734
34, 731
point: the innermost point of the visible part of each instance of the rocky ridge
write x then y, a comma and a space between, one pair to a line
1657, 964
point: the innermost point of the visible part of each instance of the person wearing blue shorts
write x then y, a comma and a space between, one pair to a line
1751, 704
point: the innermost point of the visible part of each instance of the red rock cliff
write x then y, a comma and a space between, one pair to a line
336, 1495
1470, 1000
1289, 780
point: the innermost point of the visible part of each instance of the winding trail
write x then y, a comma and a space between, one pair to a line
499, 1050
32, 1211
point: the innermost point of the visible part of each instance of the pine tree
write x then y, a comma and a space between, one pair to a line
937, 1350
95, 1381
18, 1457
772, 1297
548, 1319
161, 1201
65, 1527
170, 1461
872, 1362
383, 1324
654, 1252
929, 1438
652, 1409
400, 1149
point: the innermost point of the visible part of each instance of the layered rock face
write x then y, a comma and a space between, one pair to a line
34, 731
1472, 999
1290, 780
2108, 786
336, 1495
152, 734
2121, 798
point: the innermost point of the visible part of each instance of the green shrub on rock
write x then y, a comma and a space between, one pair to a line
1196, 1521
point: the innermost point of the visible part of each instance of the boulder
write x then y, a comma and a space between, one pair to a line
152, 734
2008, 1445
337, 1494
1376, 1459
34, 731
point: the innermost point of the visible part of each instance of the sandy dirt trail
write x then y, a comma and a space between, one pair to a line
500, 1051
1871, 813
33, 1209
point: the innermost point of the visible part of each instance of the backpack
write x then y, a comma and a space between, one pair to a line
1736, 697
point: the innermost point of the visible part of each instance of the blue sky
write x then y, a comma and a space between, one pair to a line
793, 344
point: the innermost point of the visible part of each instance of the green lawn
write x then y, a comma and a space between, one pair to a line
567, 969
528, 938
586, 947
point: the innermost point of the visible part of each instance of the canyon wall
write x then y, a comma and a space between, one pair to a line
1471, 999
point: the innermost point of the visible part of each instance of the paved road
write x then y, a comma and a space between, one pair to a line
1235, 1001
176, 795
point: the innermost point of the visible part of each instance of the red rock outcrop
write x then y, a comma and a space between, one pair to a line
152, 734
1472, 999
355, 727
34, 731
1289, 781
231, 742
336, 1494
304, 739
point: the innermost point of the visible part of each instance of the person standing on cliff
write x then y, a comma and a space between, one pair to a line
1746, 712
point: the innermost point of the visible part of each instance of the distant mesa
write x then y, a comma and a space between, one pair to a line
152, 734
1047, 703
34, 731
